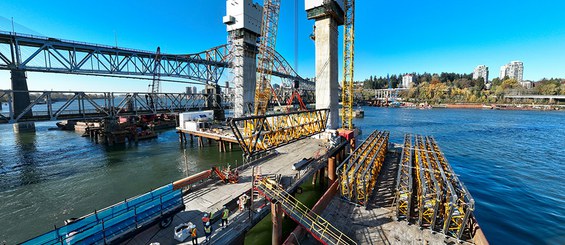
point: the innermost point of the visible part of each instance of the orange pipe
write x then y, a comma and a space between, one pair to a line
191, 179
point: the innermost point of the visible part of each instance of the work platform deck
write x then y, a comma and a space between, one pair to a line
377, 224
213, 197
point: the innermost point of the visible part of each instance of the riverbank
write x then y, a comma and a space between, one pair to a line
521, 107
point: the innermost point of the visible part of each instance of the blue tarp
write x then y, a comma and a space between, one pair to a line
115, 221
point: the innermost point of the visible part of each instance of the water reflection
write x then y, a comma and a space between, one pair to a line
25, 160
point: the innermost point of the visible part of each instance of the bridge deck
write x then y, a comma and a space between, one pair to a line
213, 197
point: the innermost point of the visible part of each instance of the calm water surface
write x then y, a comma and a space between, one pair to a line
511, 162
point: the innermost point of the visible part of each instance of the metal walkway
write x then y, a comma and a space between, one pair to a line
320, 228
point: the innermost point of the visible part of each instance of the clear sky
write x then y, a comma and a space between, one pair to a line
391, 36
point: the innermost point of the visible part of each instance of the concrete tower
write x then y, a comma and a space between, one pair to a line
328, 15
243, 22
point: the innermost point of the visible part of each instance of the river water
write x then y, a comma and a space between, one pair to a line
511, 162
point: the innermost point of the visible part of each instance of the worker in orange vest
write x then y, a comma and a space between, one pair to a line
205, 219
194, 236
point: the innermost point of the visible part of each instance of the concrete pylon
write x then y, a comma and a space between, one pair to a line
244, 71
328, 16
243, 23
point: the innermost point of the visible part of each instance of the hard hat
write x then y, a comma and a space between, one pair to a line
208, 223
206, 215
224, 207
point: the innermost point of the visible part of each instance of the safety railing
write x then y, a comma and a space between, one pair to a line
320, 228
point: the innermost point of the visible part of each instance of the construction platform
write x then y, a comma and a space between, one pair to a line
211, 197
222, 135
377, 223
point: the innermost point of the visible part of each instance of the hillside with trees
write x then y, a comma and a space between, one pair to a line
462, 88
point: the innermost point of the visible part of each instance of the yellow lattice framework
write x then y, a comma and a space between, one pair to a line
265, 59
348, 55
263, 133
359, 172
404, 180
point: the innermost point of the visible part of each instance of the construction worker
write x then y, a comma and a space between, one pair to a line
225, 214
207, 231
205, 219
193, 235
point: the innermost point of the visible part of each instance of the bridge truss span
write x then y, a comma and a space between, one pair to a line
59, 105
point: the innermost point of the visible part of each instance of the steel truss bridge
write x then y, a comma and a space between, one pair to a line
59, 105
44, 54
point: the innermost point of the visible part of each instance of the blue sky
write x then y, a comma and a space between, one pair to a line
391, 36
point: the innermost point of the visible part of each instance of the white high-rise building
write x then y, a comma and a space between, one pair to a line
514, 69
407, 80
481, 71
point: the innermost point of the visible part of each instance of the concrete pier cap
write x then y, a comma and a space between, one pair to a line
328, 15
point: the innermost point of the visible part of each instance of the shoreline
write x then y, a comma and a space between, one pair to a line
514, 107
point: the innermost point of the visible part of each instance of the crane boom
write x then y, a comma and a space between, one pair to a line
348, 48
265, 59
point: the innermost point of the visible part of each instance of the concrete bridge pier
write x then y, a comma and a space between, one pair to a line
243, 23
328, 17
214, 101
21, 100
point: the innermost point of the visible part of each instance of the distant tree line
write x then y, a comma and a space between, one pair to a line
455, 87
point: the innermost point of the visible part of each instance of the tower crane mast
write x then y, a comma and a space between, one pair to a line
268, 39
348, 54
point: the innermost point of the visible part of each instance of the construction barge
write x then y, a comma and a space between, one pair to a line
377, 194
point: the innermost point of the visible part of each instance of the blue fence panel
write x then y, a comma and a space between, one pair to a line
116, 220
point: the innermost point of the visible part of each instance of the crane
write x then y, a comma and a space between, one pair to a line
348, 46
268, 39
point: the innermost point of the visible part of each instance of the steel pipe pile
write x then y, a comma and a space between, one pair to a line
358, 172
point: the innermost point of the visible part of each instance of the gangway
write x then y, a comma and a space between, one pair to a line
320, 228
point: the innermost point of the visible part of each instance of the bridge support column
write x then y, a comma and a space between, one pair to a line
214, 101
331, 169
243, 23
276, 216
244, 70
326, 33
21, 100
